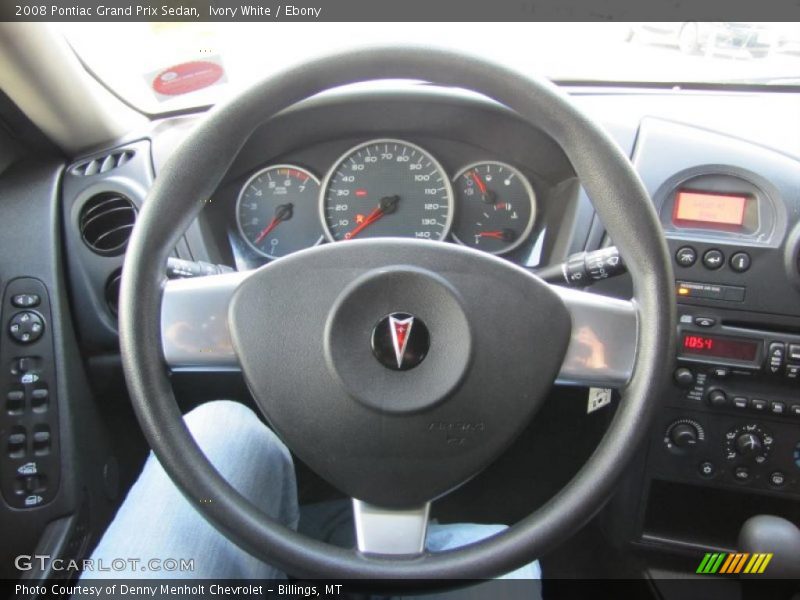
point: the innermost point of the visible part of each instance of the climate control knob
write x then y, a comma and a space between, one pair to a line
750, 441
683, 435
749, 444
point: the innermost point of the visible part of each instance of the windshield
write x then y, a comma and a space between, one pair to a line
161, 67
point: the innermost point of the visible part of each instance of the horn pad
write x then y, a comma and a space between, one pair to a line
396, 438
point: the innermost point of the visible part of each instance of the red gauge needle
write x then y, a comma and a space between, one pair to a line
487, 195
282, 213
478, 181
386, 206
505, 234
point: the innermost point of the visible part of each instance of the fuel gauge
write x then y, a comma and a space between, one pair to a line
495, 207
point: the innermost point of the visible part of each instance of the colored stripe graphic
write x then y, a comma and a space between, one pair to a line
738, 562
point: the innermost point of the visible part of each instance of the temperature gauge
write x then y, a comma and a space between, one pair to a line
495, 207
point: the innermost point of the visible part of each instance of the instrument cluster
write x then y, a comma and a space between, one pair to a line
386, 188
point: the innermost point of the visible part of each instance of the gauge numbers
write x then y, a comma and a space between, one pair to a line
277, 211
496, 207
386, 188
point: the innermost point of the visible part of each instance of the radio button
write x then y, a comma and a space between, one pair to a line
720, 372
717, 398
792, 371
705, 321
794, 352
758, 404
686, 256
777, 408
740, 262
795, 410
775, 357
740, 402
684, 377
713, 259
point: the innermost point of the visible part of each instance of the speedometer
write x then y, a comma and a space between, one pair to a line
386, 188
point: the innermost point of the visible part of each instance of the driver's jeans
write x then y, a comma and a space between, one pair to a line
155, 522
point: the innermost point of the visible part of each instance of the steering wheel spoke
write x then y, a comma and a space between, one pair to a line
196, 336
602, 347
384, 531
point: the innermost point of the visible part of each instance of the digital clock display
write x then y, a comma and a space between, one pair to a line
717, 346
709, 209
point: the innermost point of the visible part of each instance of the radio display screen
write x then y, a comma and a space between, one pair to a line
717, 346
709, 209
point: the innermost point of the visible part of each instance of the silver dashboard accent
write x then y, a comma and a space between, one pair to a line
602, 347
195, 335
385, 531
194, 322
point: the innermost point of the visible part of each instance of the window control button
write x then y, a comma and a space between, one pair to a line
17, 443
39, 398
41, 441
15, 402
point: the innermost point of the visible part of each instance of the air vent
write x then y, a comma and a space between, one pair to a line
112, 291
102, 164
106, 222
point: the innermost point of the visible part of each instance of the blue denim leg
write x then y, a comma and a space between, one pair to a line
157, 522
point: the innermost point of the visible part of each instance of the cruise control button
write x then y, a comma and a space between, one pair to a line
713, 259
686, 256
740, 262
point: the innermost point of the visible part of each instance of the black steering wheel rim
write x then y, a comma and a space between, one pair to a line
192, 174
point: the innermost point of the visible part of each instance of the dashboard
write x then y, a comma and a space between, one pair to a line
385, 187
436, 169
422, 162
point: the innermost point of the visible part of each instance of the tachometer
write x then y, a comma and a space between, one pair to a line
496, 207
386, 188
277, 210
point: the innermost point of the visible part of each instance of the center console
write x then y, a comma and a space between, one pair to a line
726, 442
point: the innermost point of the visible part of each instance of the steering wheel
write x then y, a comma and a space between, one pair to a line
300, 329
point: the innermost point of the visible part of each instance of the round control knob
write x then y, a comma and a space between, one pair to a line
717, 398
683, 435
749, 444
684, 377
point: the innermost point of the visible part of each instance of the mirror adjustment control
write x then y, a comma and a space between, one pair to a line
26, 327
